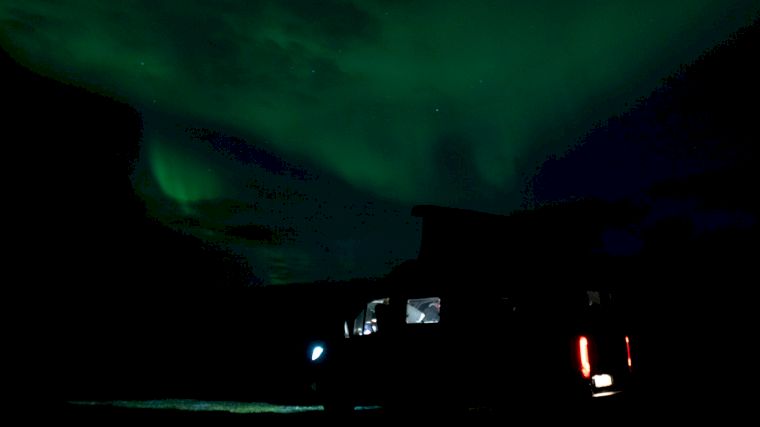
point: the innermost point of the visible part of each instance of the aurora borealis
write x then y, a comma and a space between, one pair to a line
330, 119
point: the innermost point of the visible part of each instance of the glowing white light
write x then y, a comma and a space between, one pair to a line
602, 380
605, 394
317, 352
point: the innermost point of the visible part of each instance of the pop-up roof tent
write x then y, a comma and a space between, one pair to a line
549, 244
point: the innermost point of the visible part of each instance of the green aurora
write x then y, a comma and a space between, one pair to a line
445, 102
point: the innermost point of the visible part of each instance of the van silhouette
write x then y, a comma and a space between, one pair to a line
488, 316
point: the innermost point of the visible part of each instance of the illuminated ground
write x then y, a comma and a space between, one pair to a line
205, 406
216, 413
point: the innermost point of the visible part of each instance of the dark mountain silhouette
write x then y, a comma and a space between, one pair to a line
106, 292
700, 120
72, 153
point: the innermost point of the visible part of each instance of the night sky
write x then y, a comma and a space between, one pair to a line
299, 134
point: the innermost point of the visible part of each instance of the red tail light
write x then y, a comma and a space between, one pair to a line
585, 363
628, 349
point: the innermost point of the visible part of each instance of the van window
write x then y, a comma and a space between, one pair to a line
366, 322
423, 310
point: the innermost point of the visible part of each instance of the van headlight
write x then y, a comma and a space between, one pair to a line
317, 352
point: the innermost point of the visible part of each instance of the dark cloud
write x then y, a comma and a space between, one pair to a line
248, 153
260, 233
334, 23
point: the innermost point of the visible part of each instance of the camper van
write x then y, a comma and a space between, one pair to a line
476, 325
427, 346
